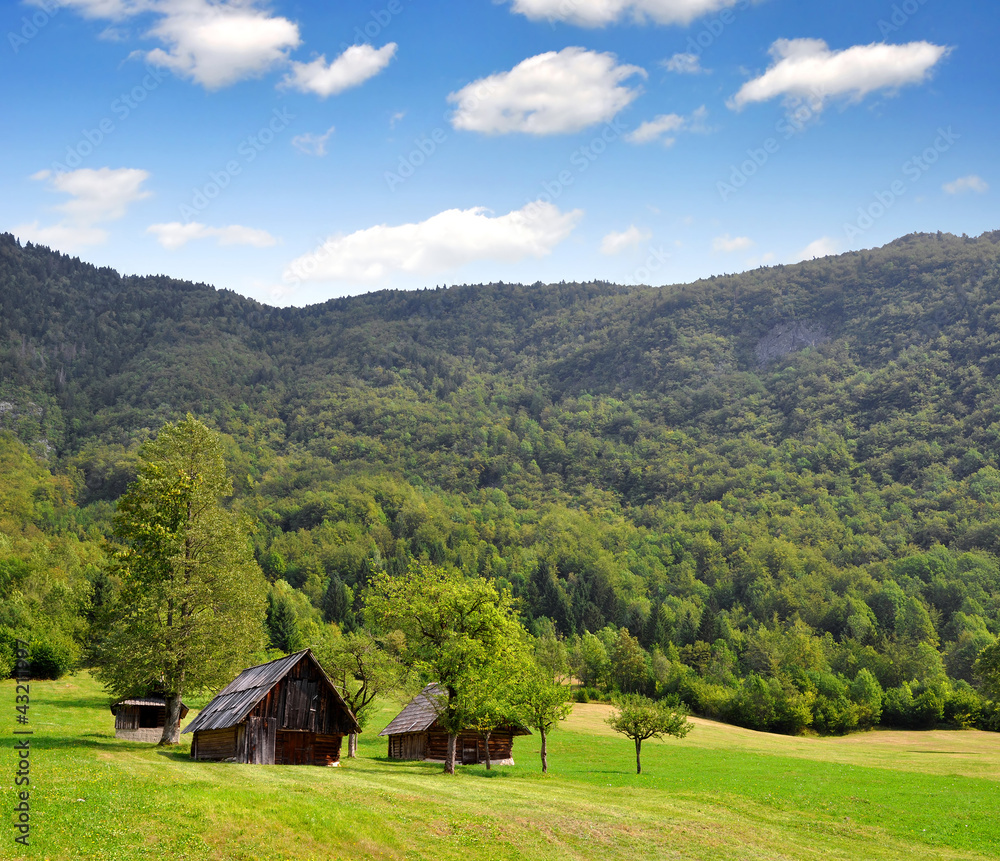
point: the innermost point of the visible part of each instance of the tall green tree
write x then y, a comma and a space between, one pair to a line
640, 718
456, 629
189, 612
544, 703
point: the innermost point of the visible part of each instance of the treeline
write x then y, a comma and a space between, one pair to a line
812, 543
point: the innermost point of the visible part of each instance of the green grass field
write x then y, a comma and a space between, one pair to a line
721, 793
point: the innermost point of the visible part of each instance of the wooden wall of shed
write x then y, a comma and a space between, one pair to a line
302, 701
411, 745
140, 717
501, 746
215, 744
306, 748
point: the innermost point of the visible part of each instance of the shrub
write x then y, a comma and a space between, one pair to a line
49, 660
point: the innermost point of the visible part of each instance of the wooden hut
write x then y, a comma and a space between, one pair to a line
141, 718
415, 734
286, 712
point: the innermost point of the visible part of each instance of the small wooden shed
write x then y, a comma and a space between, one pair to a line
415, 734
286, 712
141, 718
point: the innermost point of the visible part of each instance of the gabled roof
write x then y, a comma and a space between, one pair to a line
422, 711
158, 702
419, 714
236, 700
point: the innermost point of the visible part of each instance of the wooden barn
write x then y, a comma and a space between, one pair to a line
415, 734
141, 718
286, 712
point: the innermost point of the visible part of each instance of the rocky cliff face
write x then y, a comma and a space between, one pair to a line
788, 338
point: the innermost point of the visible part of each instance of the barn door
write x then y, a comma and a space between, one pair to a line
470, 751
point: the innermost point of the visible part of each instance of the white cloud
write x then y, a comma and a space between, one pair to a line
355, 66
174, 234
967, 183
808, 68
598, 13
63, 237
218, 44
728, 244
616, 243
444, 241
96, 196
665, 127
312, 144
822, 247
551, 93
683, 64
113, 9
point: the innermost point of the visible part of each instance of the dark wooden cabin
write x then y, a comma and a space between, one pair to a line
141, 718
415, 734
286, 712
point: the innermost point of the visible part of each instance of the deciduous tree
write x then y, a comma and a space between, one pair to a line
190, 608
456, 627
639, 718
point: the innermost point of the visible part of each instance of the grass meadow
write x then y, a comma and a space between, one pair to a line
720, 793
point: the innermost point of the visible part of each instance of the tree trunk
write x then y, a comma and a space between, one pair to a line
545, 758
172, 724
352, 745
638, 762
449, 763
486, 735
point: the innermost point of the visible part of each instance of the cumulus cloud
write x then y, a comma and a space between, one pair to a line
96, 197
218, 44
313, 144
967, 183
551, 93
599, 13
616, 242
444, 241
175, 234
728, 244
683, 64
355, 66
808, 68
666, 127
822, 247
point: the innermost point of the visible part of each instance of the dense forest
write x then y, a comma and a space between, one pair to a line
775, 495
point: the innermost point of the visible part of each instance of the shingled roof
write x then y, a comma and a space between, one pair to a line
235, 701
420, 714
157, 702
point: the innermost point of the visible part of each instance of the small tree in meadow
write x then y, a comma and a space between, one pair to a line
639, 718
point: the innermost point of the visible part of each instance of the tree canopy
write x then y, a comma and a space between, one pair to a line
640, 718
188, 614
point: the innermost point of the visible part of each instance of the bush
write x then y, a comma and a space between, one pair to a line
581, 696
49, 660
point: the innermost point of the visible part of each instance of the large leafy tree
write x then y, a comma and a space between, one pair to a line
639, 718
190, 608
457, 630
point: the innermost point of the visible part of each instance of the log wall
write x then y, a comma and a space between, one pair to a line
215, 744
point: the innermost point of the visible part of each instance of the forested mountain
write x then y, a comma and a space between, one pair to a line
776, 494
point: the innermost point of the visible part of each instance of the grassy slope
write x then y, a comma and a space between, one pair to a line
720, 793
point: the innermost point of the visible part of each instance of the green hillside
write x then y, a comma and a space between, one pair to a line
774, 494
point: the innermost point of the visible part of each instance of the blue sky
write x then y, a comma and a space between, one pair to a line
298, 151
